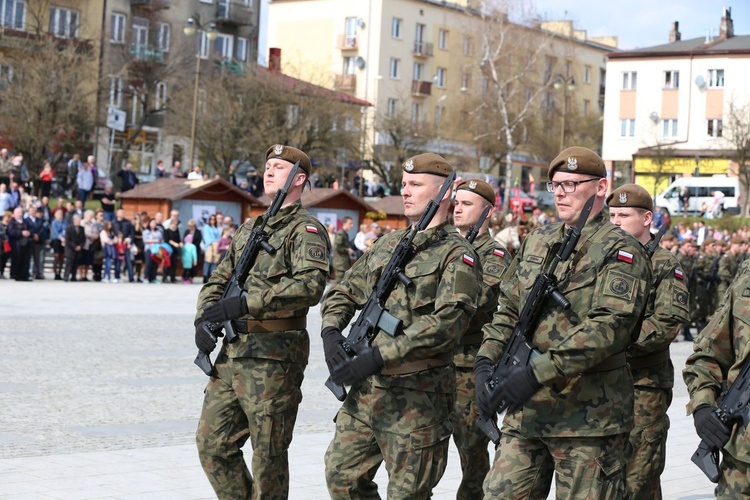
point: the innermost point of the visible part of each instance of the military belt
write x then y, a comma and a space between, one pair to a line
420, 365
611, 363
649, 360
270, 325
471, 338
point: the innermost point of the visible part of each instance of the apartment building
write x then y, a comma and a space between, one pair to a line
667, 111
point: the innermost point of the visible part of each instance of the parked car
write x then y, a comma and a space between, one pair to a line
521, 201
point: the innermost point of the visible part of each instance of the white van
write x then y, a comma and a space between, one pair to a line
701, 190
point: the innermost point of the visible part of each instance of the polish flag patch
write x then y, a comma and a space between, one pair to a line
311, 229
625, 256
468, 260
679, 274
498, 252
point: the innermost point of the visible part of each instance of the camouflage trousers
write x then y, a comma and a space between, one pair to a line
406, 428
648, 440
585, 467
470, 441
256, 399
735, 478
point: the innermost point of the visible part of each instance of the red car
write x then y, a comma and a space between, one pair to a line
522, 202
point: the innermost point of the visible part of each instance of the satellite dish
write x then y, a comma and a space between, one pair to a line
360, 62
700, 82
654, 117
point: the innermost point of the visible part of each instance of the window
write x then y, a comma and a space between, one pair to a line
627, 128
440, 77
669, 128
160, 96
292, 115
419, 35
393, 72
587, 74
442, 39
586, 106
671, 79
63, 23
115, 92
136, 108
140, 32
13, 14
439, 112
396, 28
241, 51
350, 65
117, 28
467, 45
629, 80
203, 44
223, 46
715, 128
349, 125
715, 77
465, 81
391, 109
162, 37
6, 75
351, 27
418, 70
416, 114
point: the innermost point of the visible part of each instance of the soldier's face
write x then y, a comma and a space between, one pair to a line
631, 220
275, 175
468, 208
416, 191
569, 205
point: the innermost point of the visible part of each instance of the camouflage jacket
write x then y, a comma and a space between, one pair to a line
606, 280
280, 285
666, 311
495, 259
435, 310
728, 266
341, 250
718, 353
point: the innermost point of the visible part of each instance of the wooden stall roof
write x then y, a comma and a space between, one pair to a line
389, 205
177, 189
318, 196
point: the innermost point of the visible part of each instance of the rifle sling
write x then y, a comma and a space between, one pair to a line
611, 363
419, 365
270, 325
649, 360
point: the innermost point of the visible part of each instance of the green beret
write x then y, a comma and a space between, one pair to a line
428, 163
668, 237
631, 195
479, 187
737, 241
578, 160
708, 241
290, 154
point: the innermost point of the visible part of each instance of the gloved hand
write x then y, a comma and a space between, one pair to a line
518, 387
483, 368
709, 428
332, 339
225, 309
361, 366
203, 338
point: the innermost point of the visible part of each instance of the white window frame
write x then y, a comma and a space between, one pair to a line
115, 92
292, 115
136, 108
241, 50
15, 10
160, 96
203, 44
117, 22
6, 74
440, 77
224, 46
394, 68
627, 127
140, 32
396, 28
442, 39
350, 27
417, 71
63, 22
629, 80
714, 127
391, 107
467, 45
669, 128
671, 79
586, 106
715, 78
350, 65
465, 81
416, 113
163, 36
439, 114
587, 74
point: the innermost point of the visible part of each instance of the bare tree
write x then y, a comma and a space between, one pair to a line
737, 132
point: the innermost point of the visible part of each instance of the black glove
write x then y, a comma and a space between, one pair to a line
332, 340
361, 366
483, 368
709, 428
225, 309
204, 340
518, 387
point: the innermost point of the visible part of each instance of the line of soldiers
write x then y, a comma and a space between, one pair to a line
589, 410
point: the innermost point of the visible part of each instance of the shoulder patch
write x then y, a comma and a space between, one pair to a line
469, 260
620, 285
679, 274
316, 252
624, 256
680, 298
498, 252
311, 229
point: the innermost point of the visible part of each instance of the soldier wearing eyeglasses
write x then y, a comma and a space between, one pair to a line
572, 406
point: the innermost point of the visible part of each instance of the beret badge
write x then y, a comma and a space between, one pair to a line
572, 163
409, 165
623, 197
473, 185
278, 149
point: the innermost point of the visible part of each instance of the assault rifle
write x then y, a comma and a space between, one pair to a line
258, 239
652, 245
731, 406
519, 349
474, 230
374, 316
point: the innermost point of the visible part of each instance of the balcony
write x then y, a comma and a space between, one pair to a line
150, 4
347, 42
422, 49
344, 82
155, 120
234, 13
147, 53
231, 67
421, 89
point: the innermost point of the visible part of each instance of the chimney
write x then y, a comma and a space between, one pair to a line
674, 33
726, 29
274, 60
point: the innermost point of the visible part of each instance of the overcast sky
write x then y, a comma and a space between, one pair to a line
644, 23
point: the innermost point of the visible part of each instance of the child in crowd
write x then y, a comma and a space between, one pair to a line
120, 248
189, 258
224, 242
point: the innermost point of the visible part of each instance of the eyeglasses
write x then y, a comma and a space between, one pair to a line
567, 186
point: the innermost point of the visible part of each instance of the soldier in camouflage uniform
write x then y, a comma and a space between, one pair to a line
631, 209
571, 408
718, 355
471, 198
254, 391
342, 249
706, 275
729, 264
687, 256
403, 388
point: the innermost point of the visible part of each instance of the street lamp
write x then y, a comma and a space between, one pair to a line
567, 84
191, 27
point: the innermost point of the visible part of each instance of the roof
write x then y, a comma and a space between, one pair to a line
177, 189
390, 205
303, 87
739, 44
317, 196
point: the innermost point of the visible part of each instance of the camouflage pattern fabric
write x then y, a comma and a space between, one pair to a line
606, 280
666, 311
728, 266
688, 266
341, 262
470, 441
735, 482
718, 353
255, 390
705, 288
403, 419
587, 467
